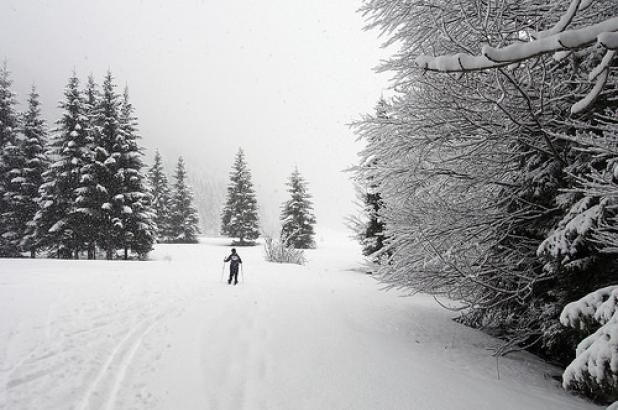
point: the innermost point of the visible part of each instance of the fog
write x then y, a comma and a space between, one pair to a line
279, 78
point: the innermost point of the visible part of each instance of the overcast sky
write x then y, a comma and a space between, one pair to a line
279, 78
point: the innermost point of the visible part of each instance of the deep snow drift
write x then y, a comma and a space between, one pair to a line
168, 334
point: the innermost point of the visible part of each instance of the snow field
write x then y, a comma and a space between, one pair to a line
168, 334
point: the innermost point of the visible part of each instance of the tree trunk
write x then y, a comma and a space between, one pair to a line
126, 252
33, 253
91, 251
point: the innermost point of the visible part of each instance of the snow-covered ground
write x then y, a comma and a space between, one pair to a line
169, 334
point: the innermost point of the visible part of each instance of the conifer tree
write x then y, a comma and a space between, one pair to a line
370, 231
9, 122
372, 236
61, 222
137, 218
35, 165
108, 143
92, 195
297, 215
13, 219
10, 162
160, 198
184, 218
239, 218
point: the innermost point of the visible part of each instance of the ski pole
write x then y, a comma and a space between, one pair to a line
222, 272
242, 273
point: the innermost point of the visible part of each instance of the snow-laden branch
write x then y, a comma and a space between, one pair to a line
493, 57
600, 74
557, 40
596, 362
566, 18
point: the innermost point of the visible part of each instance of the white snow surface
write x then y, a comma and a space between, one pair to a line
169, 334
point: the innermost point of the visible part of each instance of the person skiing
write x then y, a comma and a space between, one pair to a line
234, 261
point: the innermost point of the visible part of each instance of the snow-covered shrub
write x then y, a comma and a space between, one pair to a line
280, 252
476, 170
595, 368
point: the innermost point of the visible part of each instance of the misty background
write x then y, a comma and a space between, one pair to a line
281, 79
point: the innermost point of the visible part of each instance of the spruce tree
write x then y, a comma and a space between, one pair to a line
371, 231
36, 164
13, 219
9, 123
160, 199
297, 216
92, 195
61, 223
184, 218
108, 143
138, 227
239, 217
372, 236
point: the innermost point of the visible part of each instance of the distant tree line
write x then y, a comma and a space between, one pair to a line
81, 188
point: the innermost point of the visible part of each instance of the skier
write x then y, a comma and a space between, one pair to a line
234, 261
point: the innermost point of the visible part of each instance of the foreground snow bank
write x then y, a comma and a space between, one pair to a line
169, 334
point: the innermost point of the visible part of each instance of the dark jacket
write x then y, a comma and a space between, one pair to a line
234, 260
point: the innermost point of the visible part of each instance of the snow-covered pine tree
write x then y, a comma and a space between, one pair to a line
239, 217
108, 143
372, 236
36, 164
14, 218
138, 226
297, 216
60, 223
11, 161
184, 220
370, 227
161, 200
92, 195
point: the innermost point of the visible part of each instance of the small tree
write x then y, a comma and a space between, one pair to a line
239, 217
372, 235
370, 227
297, 216
161, 200
184, 219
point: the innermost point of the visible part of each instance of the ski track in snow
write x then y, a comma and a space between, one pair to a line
169, 334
